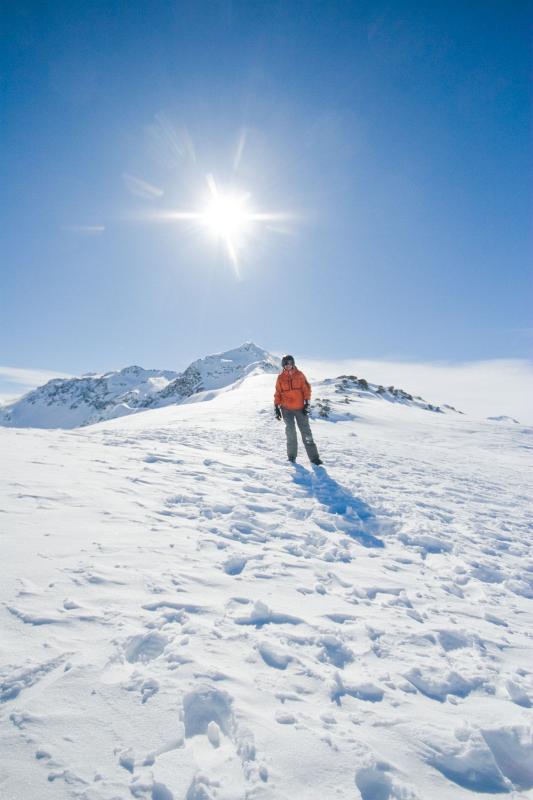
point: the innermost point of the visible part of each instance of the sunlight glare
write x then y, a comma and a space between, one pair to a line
226, 215
229, 218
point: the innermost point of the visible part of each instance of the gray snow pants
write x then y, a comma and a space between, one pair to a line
290, 418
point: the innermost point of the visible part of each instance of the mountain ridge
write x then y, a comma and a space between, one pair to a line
96, 397
76, 402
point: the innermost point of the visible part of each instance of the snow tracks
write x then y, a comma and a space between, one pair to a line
188, 617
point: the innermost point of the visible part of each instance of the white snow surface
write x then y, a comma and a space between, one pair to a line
186, 616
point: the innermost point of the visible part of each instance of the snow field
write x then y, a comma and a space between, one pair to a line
185, 615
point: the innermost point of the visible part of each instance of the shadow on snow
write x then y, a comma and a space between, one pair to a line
357, 519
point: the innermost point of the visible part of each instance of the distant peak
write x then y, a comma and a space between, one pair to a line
132, 369
69, 403
247, 347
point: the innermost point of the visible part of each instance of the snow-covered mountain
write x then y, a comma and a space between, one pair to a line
75, 402
186, 616
217, 372
67, 403
92, 398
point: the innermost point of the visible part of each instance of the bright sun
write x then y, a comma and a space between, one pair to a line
227, 216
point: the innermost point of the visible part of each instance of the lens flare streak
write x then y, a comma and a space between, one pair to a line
227, 217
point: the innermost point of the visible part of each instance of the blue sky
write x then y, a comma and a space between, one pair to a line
396, 136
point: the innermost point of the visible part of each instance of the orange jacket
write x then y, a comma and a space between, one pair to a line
292, 390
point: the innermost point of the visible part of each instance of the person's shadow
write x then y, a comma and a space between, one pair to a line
355, 518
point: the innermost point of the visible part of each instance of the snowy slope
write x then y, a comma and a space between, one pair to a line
334, 396
186, 616
70, 403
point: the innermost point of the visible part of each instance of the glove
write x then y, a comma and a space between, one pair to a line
277, 412
306, 408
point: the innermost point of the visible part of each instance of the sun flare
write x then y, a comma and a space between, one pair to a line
226, 215
229, 219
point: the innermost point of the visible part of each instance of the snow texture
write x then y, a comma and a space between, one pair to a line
186, 616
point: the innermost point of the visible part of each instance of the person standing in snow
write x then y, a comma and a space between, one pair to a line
291, 402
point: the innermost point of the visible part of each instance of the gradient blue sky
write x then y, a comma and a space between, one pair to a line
398, 135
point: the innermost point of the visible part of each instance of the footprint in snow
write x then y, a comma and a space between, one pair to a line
274, 656
145, 647
438, 686
469, 764
234, 565
518, 694
512, 749
379, 783
204, 706
220, 751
